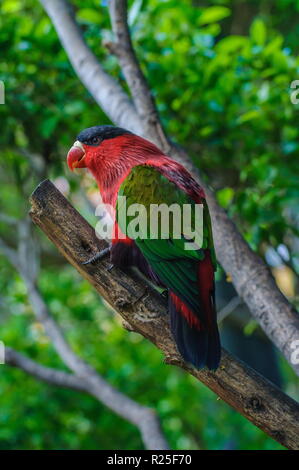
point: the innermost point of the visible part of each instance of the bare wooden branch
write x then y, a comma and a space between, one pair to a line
10, 253
105, 90
252, 279
87, 380
229, 308
240, 386
142, 97
46, 374
7, 219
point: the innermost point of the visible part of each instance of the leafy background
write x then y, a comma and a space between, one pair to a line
221, 74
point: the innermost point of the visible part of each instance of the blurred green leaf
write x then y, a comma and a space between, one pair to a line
225, 196
213, 14
258, 32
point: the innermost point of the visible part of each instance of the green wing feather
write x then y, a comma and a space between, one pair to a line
168, 257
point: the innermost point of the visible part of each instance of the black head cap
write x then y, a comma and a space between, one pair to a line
96, 134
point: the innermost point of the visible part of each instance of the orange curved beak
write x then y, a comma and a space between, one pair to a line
76, 156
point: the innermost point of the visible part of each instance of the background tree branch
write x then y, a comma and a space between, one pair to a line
40, 372
145, 312
143, 100
84, 378
104, 89
251, 277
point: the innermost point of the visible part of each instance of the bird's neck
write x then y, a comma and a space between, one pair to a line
116, 163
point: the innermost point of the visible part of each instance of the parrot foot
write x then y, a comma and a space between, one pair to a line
98, 256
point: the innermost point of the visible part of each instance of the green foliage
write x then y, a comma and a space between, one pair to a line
35, 415
228, 101
226, 98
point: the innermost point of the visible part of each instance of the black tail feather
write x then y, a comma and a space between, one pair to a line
201, 348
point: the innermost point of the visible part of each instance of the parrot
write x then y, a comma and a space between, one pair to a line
128, 166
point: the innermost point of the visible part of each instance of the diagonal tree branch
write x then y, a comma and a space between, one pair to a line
40, 372
7, 219
104, 89
93, 384
123, 49
144, 311
10, 254
229, 308
251, 277
142, 97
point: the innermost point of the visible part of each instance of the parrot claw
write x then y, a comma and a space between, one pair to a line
98, 256
164, 294
110, 267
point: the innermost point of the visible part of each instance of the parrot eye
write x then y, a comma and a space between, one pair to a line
96, 140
